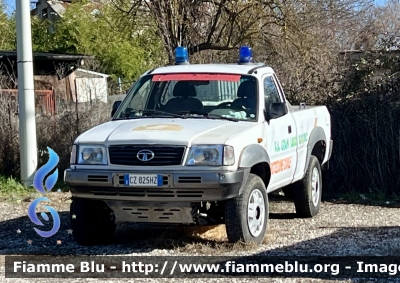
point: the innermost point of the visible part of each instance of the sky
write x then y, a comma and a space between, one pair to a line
10, 4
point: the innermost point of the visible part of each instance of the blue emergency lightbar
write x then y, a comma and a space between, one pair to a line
245, 55
181, 56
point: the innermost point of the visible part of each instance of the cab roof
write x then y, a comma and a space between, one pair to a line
213, 68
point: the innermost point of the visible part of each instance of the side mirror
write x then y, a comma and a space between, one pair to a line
276, 110
115, 106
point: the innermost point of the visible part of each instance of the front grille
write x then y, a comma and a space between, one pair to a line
97, 178
142, 193
163, 155
151, 212
189, 180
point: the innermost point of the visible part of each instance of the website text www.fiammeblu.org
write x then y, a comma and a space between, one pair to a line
258, 266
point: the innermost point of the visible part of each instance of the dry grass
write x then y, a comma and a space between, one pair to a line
57, 132
214, 233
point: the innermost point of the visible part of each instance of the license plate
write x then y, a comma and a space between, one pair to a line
140, 180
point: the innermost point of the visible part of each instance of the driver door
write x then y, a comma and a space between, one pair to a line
281, 138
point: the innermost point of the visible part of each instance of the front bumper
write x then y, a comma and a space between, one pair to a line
177, 186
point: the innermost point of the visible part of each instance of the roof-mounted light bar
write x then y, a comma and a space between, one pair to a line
181, 56
245, 55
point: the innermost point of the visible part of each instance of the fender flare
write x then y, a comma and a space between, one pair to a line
253, 154
250, 156
316, 135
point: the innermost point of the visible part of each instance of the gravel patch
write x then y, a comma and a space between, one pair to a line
339, 230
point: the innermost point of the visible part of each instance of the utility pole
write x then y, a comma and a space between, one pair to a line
26, 94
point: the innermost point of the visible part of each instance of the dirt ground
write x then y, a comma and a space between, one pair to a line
341, 229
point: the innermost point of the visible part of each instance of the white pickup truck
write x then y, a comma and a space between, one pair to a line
198, 144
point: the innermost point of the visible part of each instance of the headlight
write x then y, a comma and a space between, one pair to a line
216, 155
92, 154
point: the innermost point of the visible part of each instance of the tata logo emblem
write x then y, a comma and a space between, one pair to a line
145, 155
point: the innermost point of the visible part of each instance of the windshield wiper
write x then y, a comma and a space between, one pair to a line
163, 112
127, 118
143, 114
208, 115
179, 114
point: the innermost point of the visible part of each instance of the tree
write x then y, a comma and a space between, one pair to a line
124, 50
8, 37
387, 25
203, 24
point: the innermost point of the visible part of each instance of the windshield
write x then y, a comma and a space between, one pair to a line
215, 96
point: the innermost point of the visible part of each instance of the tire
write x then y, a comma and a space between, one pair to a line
308, 191
241, 227
92, 222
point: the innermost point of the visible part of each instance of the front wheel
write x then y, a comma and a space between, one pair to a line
246, 216
308, 191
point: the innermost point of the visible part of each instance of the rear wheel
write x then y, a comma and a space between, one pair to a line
246, 215
92, 222
308, 191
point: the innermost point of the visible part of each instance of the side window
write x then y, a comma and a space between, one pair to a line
140, 99
271, 93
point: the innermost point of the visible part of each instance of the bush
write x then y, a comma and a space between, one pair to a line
366, 129
57, 132
9, 137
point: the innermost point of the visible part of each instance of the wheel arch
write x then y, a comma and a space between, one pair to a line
316, 146
255, 159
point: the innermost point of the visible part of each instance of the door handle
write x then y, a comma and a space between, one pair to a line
290, 129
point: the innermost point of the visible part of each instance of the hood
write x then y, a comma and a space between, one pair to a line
164, 131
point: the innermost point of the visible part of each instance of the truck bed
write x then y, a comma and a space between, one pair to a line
298, 108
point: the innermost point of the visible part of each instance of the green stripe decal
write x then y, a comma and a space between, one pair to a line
285, 144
